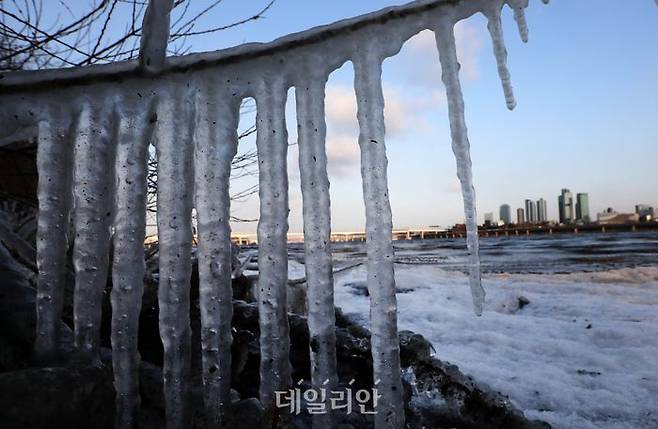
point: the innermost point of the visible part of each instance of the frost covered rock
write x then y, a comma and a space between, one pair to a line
414, 347
512, 304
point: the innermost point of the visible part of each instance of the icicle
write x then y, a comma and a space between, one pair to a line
445, 41
133, 136
216, 142
173, 142
312, 131
155, 35
272, 147
519, 16
54, 157
496, 30
379, 225
92, 219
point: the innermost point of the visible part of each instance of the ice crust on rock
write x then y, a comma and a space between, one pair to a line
191, 107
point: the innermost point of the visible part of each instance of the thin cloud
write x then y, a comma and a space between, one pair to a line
421, 58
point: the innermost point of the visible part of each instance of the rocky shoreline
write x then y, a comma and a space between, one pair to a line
69, 394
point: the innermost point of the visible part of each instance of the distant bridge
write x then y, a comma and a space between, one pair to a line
433, 232
397, 234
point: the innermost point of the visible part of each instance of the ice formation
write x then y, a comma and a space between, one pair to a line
95, 124
216, 143
55, 149
155, 35
445, 41
312, 132
272, 146
132, 142
92, 215
379, 224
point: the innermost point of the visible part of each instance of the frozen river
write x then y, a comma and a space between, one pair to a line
583, 353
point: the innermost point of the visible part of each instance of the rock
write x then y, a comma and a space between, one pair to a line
18, 315
413, 347
361, 288
586, 372
12, 356
523, 301
74, 397
512, 304
448, 398
150, 386
358, 288
247, 413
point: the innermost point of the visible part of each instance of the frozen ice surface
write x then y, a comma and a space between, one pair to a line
581, 354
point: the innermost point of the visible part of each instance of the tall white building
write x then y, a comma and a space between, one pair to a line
531, 211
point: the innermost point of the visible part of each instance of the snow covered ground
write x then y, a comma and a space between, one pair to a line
582, 354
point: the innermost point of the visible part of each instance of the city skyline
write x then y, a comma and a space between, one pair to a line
570, 210
523, 153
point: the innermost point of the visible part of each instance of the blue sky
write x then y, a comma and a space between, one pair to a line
586, 118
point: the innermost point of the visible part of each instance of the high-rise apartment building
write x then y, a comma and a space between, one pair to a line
505, 214
565, 204
520, 216
530, 211
582, 207
542, 211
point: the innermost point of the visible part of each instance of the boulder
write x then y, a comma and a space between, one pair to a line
57, 397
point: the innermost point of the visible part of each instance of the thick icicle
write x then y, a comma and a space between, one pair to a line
519, 16
445, 41
272, 147
379, 225
133, 137
216, 142
495, 26
54, 156
155, 35
92, 190
312, 131
173, 142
